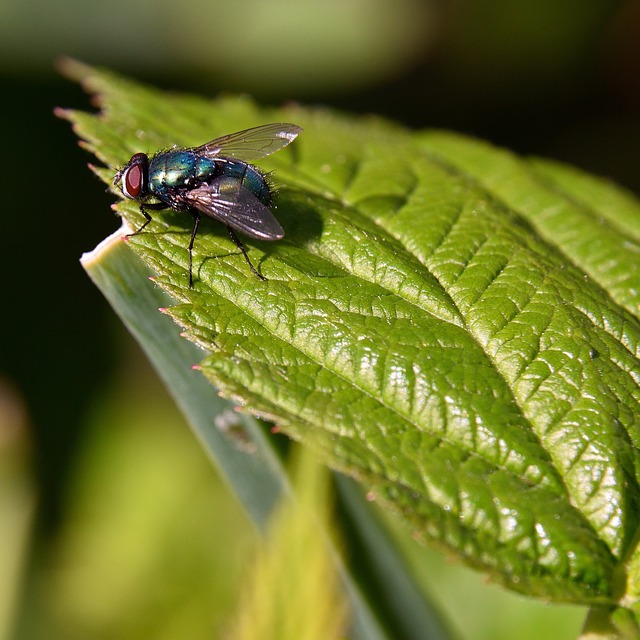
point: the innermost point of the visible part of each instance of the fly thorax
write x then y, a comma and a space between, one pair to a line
172, 170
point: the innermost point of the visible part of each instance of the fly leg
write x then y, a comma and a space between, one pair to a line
196, 223
144, 210
240, 246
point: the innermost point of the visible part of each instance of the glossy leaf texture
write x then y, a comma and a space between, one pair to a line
453, 325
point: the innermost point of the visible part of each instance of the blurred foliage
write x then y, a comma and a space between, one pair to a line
277, 47
152, 544
556, 79
294, 591
17, 501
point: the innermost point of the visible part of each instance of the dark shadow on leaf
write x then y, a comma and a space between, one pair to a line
298, 213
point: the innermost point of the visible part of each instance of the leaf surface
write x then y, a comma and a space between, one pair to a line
454, 326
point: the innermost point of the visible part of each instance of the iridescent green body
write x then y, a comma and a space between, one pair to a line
182, 169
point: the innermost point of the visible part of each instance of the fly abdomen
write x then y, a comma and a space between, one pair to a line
252, 179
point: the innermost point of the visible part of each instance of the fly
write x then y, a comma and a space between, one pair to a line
215, 180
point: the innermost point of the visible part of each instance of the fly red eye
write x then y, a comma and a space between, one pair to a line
132, 182
134, 176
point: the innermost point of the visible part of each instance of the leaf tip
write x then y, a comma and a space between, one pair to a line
71, 68
62, 113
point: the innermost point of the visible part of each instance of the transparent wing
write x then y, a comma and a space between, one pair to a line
251, 144
227, 201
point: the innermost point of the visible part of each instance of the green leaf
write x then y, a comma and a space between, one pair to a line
452, 325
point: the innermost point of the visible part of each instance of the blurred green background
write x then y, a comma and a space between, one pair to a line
113, 523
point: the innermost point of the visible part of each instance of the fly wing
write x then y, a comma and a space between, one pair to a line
251, 144
227, 201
